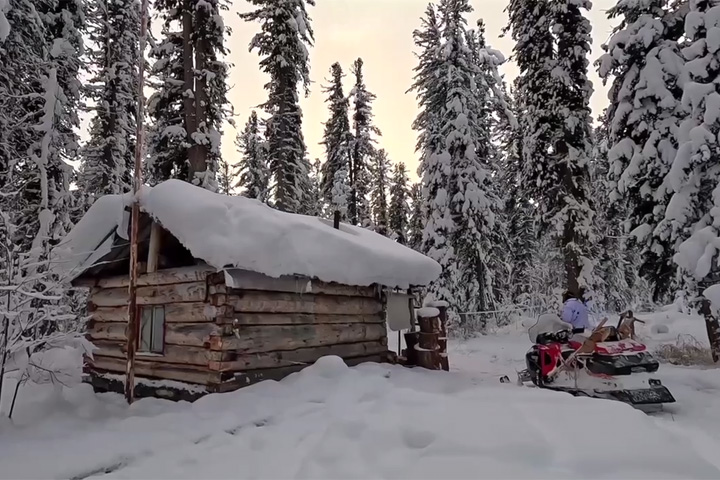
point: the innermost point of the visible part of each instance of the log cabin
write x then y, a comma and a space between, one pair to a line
232, 292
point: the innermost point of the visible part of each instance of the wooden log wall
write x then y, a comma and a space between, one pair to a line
189, 324
225, 338
282, 325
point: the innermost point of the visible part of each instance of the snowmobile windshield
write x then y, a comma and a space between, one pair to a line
547, 323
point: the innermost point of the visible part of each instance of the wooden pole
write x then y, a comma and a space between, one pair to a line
135, 219
443, 339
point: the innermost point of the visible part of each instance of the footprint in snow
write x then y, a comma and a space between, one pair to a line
416, 438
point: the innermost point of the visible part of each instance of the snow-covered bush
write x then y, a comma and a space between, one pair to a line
41, 338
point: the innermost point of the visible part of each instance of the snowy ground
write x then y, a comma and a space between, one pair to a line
376, 421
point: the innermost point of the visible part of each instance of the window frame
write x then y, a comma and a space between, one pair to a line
153, 330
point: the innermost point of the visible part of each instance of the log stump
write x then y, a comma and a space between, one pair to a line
428, 347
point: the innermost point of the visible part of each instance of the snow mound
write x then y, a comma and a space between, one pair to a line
232, 231
330, 366
327, 422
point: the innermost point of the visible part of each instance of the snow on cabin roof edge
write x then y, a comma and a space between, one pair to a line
238, 232
245, 233
92, 237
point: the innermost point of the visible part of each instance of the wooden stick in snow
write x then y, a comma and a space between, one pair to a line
132, 326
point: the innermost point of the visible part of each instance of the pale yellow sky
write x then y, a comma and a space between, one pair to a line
379, 31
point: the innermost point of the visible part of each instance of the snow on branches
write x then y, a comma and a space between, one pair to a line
694, 177
647, 68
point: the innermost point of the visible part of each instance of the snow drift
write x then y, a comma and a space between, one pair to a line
331, 421
231, 231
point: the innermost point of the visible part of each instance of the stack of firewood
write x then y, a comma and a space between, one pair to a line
427, 347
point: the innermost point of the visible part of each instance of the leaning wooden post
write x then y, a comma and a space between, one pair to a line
428, 347
135, 219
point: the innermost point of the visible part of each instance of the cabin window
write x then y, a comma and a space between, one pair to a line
152, 329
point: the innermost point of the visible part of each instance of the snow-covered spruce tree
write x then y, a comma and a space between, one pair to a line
363, 148
337, 138
340, 193
530, 26
379, 191
570, 207
644, 61
498, 116
315, 196
305, 184
283, 43
399, 208
494, 115
434, 169
518, 216
225, 178
464, 126
694, 177
615, 269
417, 218
108, 156
553, 42
252, 170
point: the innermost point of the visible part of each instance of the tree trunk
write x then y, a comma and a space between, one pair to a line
713, 328
198, 152
189, 93
569, 238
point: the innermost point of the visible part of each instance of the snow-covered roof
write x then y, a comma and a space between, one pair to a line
92, 238
232, 231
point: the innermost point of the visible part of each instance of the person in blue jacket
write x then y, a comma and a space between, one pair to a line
575, 310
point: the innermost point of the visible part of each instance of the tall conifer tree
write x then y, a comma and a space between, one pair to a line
252, 171
644, 60
379, 192
552, 45
399, 208
108, 157
283, 43
694, 177
337, 138
363, 148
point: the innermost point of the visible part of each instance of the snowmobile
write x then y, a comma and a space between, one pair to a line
606, 363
